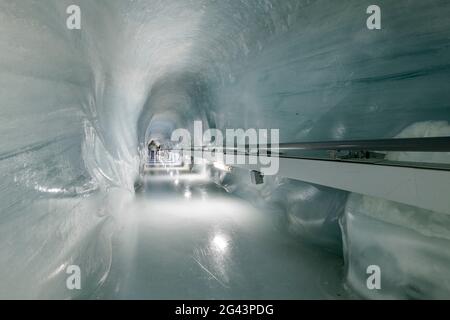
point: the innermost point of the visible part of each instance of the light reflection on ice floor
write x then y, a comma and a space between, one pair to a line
189, 239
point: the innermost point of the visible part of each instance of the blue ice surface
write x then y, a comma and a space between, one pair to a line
78, 107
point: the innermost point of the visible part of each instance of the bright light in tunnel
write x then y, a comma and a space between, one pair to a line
188, 194
188, 177
219, 243
222, 166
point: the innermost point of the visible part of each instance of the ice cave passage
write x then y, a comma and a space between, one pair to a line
83, 187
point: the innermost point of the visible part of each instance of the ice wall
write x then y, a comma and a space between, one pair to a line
409, 245
306, 211
328, 77
76, 105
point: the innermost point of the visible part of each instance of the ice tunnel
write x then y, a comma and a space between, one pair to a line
94, 185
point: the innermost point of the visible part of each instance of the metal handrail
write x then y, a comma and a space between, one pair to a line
432, 144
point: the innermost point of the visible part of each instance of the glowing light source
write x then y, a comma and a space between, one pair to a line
219, 243
222, 166
187, 194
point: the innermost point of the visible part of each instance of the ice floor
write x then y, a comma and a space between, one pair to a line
195, 241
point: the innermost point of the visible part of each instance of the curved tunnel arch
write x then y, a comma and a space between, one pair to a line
175, 101
77, 106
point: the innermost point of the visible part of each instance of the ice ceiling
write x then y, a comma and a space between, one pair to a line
76, 105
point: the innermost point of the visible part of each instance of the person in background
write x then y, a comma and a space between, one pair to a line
152, 148
158, 149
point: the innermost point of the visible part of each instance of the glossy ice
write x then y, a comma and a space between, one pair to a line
193, 240
77, 106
